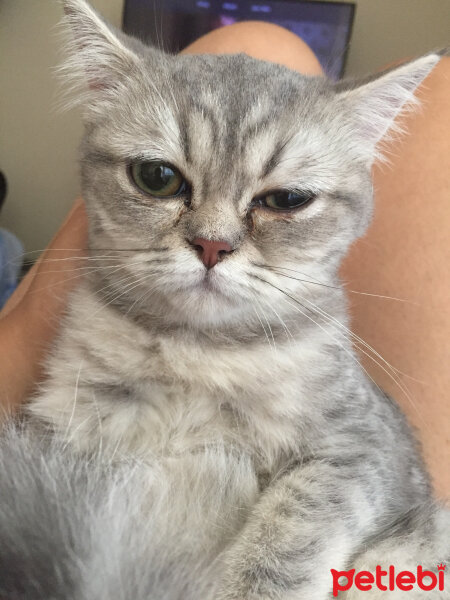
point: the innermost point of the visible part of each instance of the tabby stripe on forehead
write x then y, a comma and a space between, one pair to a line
184, 126
251, 131
205, 184
254, 129
184, 134
273, 161
209, 115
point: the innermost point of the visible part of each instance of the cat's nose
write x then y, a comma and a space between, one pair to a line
210, 252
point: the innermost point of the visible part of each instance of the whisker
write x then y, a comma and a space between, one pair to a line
333, 287
86, 257
100, 425
81, 274
30, 253
356, 338
75, 399
138, 301
151, 249
330, 319
84, 269
283, 324
72, 436
128, 288
146, 249
351, 333
118, 282
393, 372
263, 328
313, 320
267, 323
57, 283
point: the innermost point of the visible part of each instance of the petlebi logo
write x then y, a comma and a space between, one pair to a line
389, 580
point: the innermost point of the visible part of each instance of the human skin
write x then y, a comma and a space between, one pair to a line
405, 255
30, 319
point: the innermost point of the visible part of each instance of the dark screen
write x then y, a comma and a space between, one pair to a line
174, 24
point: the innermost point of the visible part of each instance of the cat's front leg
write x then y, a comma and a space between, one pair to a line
305, 524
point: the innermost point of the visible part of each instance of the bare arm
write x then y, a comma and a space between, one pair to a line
30, 319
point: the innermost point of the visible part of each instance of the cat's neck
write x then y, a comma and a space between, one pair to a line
271, 326
263, 391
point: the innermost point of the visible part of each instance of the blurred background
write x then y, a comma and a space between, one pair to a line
38, 145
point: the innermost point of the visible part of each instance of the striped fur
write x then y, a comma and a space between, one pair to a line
211, 434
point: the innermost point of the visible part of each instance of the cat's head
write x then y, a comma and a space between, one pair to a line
217, 184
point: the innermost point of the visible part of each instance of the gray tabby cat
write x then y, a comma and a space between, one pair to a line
209, 432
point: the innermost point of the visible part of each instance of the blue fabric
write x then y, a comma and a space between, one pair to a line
11, 258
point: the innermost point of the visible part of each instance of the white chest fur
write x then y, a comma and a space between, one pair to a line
114, 386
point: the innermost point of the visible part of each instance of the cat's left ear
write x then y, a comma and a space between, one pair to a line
372, 105
99, 59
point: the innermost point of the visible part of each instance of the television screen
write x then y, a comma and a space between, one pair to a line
173, 24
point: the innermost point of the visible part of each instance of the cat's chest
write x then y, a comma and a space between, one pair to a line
180, 397
169, 402
168, 419
124, 388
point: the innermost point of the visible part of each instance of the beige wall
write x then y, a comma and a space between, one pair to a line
38, 146
386, 30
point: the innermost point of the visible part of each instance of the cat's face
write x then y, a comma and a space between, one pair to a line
215, 182
232, 136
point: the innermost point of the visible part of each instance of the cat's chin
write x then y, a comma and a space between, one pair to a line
206, 306
199, 299
208, 302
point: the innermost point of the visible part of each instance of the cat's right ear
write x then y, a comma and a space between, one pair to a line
372, 105
98, 62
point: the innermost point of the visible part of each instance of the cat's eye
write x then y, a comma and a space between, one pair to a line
286, 200
158, 179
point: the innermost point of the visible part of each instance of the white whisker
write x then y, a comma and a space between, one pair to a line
75, 398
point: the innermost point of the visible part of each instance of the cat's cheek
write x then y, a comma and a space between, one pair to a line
260, 220
160, 216
179, 214
166, 215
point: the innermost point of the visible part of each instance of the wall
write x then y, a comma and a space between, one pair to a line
38, 146
386, 30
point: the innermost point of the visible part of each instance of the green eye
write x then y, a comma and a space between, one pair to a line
285, 200
158, 179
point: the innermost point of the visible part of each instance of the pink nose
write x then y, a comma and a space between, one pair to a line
211, 251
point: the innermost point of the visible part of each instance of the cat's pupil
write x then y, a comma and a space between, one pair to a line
289, 200
156, 176
285, 200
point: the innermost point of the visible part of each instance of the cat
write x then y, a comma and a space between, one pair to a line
206, 430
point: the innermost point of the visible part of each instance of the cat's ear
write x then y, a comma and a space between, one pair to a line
98, 60
373, 105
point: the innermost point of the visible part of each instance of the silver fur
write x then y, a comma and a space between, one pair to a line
227, 408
